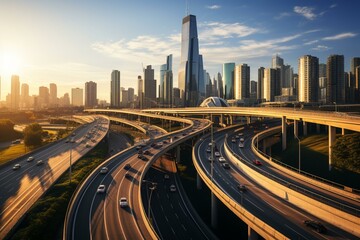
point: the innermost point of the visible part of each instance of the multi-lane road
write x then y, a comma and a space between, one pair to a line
21, 188
275, 211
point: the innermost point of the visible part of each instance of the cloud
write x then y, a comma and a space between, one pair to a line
306, 12
333, 6
321, 48
282, 15
340, 36
215, 30
311, 42
213, 7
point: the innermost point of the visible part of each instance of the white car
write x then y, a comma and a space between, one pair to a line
40, 162
241, 145
31, 158
104, 170
101, 189
222, 159
172, 188
16, 166
123, 202
217, 154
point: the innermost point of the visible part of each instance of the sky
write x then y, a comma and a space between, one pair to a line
71, 42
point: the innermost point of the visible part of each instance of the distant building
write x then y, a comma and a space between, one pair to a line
124, 98
24, 99
242, 81
228, 80
90, 94
220, 85
43, 98
308, 90
53, 100
64, 101
77, 97
253, 89
166, 82
176, 97
15, 93
271, 84
140, 92
335, 91
115, 89
190, 63
355, 62
260, 83
149, 87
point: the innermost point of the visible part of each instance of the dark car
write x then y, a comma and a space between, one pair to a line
241, 188
127, 166
147, 152
315, 225
257, 162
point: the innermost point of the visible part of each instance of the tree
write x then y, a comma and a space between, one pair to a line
33, 135
346, 152
7, 130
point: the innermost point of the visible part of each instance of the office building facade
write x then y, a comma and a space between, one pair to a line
335, 91
308, 77
149, 88
228, 80
77, 96
115, 89
242, 81
15, 93
90, 94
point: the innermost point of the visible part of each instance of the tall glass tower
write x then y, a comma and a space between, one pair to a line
228, 80
189, 63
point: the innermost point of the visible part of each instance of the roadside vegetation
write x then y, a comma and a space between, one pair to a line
346, 152
7, 131
45, 219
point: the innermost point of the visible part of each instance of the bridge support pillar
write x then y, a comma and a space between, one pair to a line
343, 131
198, 182
296, 128
221, 119
332, 138
305, 130
178, 154
248, 120
283, 132
214, 211
252, 235
318, 129
230, 120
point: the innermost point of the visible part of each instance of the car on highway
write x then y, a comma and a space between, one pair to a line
88, 145
16, 166
138, 147
104, 170
241, 134
127, 166
101, 188
40, 162
222, 159
242, 139
210, 159
29, 159
225, 165
241, 188
208, 150
123, 202
317, 226
233, 140
147, 152
257, 162
166, 176
172, 188
217, 154
128, 176
241, 145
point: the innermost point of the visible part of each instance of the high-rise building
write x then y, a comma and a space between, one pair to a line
149, 87
77, 97
115, 89
277, 62
64, 101
260, 83
176, 97
166, 82
140, 92
188, 79
322, 70
242, 81
335, 91
228, 80
203, 79
44, 96
124, 98
253, 89
24, 99
53, 94
355, 62
308, 77
271, 84
220, 85
15, 92
90, 94
357, 86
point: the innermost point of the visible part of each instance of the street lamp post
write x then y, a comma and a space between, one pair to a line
152, 188
299, 152
335, 106
70, 162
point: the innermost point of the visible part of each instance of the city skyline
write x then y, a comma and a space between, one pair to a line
63, 47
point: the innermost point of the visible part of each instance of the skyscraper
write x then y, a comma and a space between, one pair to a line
53, 94
44, 96
24, 100
228, 80
308, 86
355, 62
149, 87
115, 89
220, 85
77, 97
242, 81
335, 91
140, 91
90, 94
271, 84
166, 82
202, 78
260, 84
15, 92
188, 78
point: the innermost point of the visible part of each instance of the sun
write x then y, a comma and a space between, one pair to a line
9, 63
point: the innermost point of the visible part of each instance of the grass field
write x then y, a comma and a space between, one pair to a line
314, 160
12, 152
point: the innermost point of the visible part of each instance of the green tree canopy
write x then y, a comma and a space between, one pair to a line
33, 135
346, 152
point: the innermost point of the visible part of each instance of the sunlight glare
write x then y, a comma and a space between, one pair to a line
9, 63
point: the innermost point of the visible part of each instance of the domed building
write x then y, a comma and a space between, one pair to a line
214, 102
